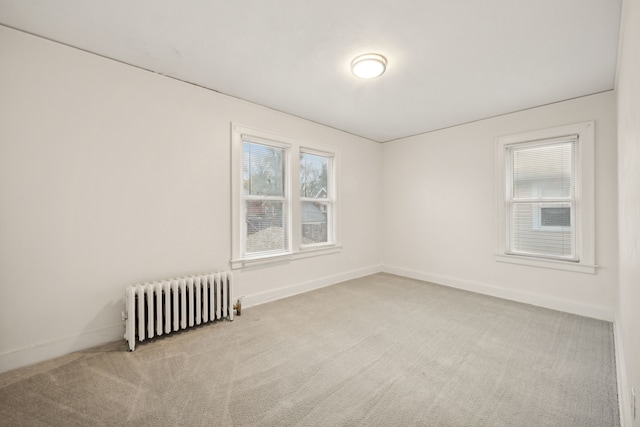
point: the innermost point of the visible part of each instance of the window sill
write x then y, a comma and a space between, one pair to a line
306, 252
547, 263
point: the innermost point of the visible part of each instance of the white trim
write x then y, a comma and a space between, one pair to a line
288, 291
59, 347
585, 191
306, 252
624, 395
568, 306
547, 263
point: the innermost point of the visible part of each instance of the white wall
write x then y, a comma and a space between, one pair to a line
439, 210
628, 316
110, 175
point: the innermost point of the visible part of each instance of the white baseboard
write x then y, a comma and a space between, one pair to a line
597, 312
288, 291
624, 395
58, 347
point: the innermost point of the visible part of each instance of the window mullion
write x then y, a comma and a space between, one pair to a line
294, 186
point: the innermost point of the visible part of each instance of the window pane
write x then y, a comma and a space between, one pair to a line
313, 176
533, 233
543, 172
314, 223
263, 170
554, 217
266, 226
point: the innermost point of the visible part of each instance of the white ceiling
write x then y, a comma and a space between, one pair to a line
449, 61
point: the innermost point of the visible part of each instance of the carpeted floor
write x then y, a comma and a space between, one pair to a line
376, 351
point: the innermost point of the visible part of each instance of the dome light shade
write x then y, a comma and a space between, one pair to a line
369, 65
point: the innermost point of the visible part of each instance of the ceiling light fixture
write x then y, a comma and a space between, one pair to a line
369, 65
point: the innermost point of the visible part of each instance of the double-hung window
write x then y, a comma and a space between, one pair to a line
541, 198
264, 198
545, 198
316, 197
275, 215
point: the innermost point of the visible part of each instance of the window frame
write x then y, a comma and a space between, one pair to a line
293, 201
583, 214
329, 201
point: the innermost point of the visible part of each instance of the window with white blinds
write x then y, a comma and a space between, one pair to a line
274, 214
265, 199
546, 198
541, 198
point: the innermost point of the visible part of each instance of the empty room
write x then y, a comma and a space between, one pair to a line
336, 213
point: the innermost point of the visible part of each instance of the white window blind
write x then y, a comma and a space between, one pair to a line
265, 199
541, 198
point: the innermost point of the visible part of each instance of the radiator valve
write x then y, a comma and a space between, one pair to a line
238, 306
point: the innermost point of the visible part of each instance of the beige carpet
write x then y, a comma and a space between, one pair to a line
377, 351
